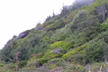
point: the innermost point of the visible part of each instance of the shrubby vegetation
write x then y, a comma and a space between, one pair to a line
76, 40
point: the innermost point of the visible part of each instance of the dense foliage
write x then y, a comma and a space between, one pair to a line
71, 41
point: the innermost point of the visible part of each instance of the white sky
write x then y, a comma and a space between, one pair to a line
19, 15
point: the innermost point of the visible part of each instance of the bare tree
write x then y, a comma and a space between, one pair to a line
34, 55
89, 70
17, 61
84, 61
100, 69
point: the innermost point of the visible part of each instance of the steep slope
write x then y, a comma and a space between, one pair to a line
73, 41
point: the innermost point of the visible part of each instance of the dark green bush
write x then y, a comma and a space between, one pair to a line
58, 55
75, 68
57, 61
22, 64
43, 60
48, 23
83, 21
103, 27
68, 45
106, 39
95, 52
55, 25
76, 58
1, 64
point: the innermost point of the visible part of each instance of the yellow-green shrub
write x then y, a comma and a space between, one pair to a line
57, 44
77, 50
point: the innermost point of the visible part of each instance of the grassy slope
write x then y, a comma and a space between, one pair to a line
83, 44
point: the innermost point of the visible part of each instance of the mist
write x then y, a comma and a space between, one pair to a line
85, 1
80, 3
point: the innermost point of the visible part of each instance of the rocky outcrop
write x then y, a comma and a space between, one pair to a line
23, 34
102, 10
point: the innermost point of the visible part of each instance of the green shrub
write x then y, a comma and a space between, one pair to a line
40, 55
75, 68
59, 35
68, 45
22, 64
81, 16
106, 39
55, 25
58, 55
80, 49
49, 27
51, 66
1, 65
94, 53
12, 67
84, 21
57, 62
46, 39
69, 54
57, 44
48, 23
104, 25
49, 54
43, 60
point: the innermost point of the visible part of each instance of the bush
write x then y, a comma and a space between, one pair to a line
80, 50
83, 21
48, 23
1, 65
12, 66
94, 53
40, 55
43, 60
58, 55
22, 64
68, 45
81, 16
57, 44
106, 39
75, 68
55, 25
57, 62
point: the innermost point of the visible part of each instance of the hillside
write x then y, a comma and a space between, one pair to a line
76, 40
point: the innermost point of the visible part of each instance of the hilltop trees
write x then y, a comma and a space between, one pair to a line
64, 11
